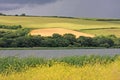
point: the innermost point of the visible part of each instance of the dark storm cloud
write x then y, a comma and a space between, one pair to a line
75, 8
15, 4
26, 1
9, 6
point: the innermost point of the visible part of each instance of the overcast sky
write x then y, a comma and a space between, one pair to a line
75, 8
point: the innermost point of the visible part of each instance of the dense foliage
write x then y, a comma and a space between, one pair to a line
21, 38
10, 27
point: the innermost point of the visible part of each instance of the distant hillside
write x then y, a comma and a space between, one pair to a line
90, 26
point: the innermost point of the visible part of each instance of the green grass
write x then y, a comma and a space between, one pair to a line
104, 32
67, 23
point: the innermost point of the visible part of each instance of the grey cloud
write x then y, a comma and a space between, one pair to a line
75, 8
16, 4
83, 8
26, 1
9, 6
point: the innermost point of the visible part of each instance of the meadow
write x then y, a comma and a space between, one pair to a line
92, 67
78, 24
105, 32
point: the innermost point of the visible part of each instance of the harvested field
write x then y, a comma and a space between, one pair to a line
50, 31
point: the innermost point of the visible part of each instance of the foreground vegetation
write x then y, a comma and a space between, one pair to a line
16, 64
67, 68
66, 72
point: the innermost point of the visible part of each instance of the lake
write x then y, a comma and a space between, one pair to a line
58, 53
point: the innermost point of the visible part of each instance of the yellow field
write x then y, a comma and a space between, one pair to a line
53, 22
51, 31
47, 22
62, 71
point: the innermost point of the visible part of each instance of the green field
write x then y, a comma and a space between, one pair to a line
91, 26
104, 32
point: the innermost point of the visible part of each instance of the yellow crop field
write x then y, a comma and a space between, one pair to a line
63, 71
47, 22
51, 31
77, 24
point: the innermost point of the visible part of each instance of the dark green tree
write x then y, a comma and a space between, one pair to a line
70, 37
85, 41
103, 41
55, 35
23, 14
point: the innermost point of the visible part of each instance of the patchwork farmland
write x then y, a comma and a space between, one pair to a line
90, 26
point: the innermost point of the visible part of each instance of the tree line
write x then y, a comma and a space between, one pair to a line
21, 38
3, 14
10, 27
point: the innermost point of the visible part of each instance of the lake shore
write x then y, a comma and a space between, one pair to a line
55, 48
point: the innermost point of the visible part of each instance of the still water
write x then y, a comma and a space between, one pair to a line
58, 53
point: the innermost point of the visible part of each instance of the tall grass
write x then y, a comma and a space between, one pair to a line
9, 65
64, 71
15, 64
84, 60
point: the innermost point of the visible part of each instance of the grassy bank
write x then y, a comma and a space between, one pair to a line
67, 68
63, 71
15, 64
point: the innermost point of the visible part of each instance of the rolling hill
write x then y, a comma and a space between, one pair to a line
89, 26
